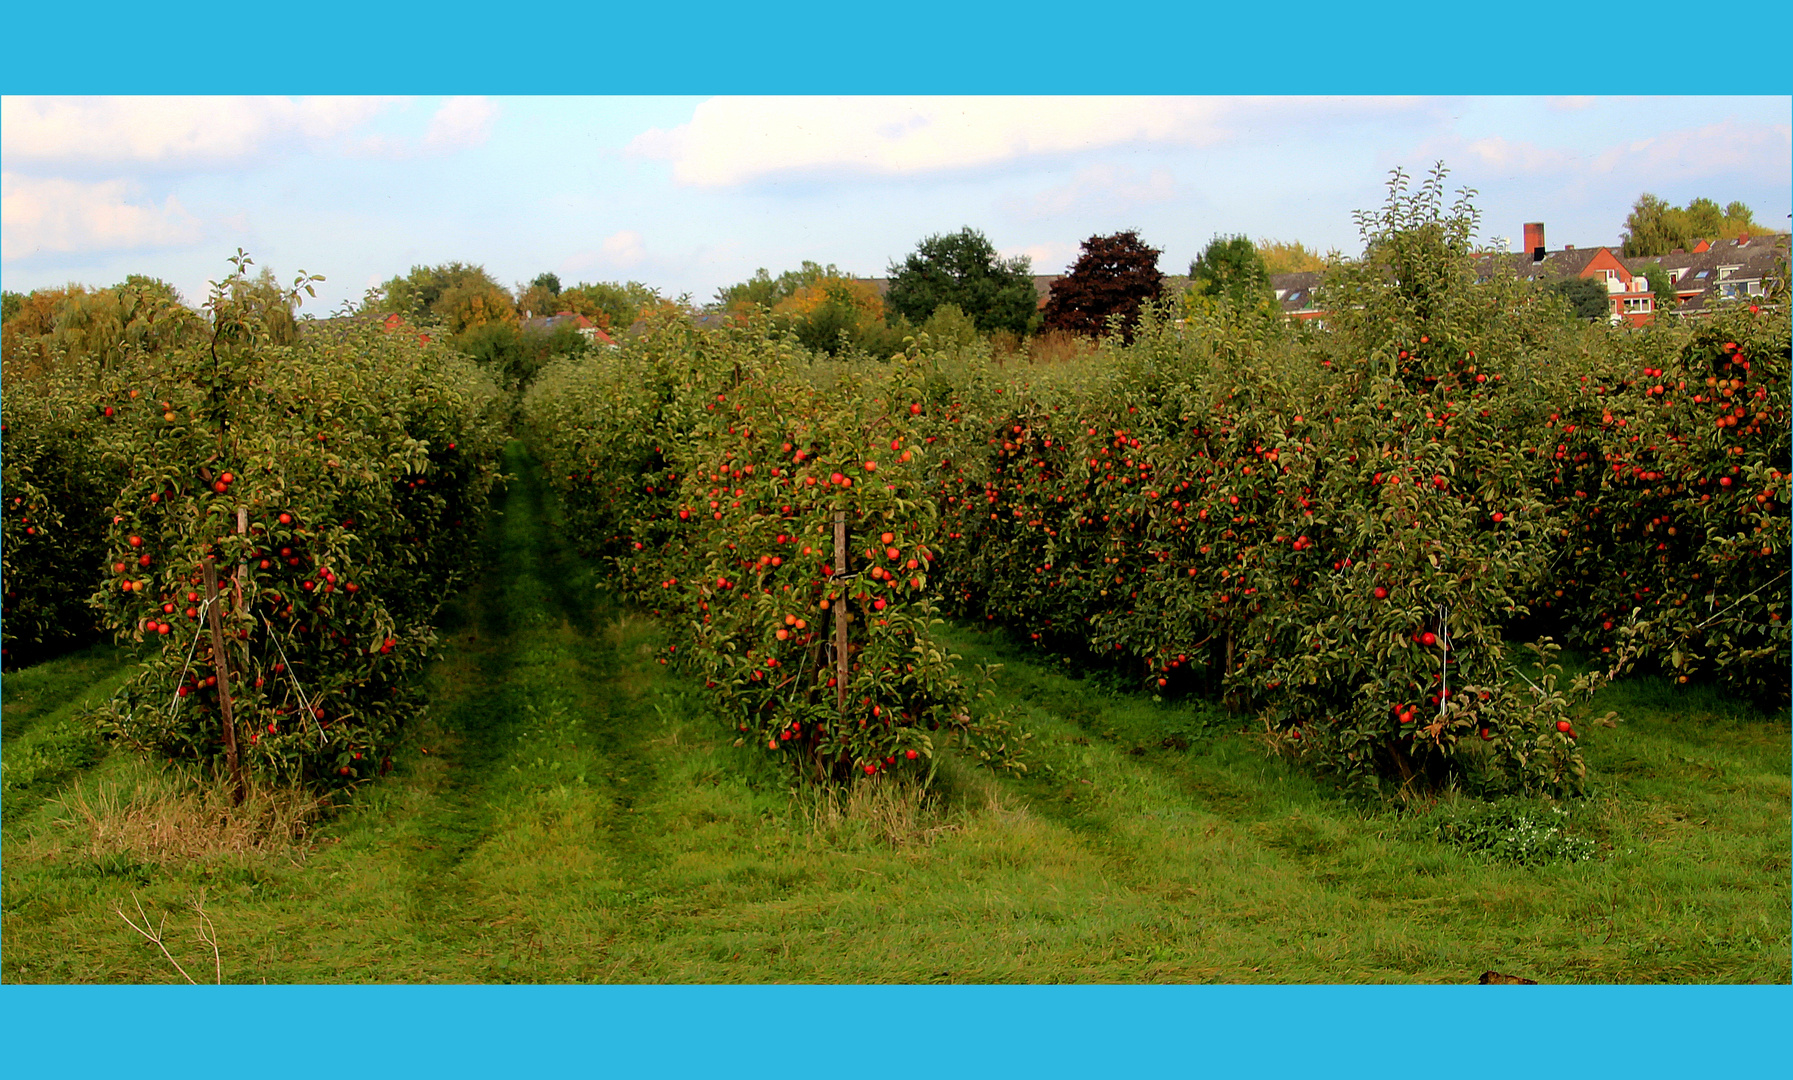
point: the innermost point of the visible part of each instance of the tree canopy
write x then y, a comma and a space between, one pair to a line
1663, 288
963, 268
1289, 256
766, 291
1657, 227
1113, 277
455, 295
1230, 269
610, 304
1586, 297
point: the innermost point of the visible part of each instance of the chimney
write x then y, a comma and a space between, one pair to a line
1534, 240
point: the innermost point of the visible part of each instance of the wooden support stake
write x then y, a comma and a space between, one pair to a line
840, 612
242, 567
222, 670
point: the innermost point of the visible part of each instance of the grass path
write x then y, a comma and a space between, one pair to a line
568, 812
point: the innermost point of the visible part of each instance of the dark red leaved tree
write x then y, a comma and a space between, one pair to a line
1114, 276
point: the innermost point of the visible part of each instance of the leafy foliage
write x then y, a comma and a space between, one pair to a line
963, 268
332, 483
1526, 832
1230, 270
610, 304
1587, 297
454, 295
764, 290
1662, 288
1657, 227
710, 468
1289, 257
1111, 279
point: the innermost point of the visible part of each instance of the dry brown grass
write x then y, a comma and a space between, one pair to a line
1051, 347
1059, 347
899, 812
157, 823
893, 811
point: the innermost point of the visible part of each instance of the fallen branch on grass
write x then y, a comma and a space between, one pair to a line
207, 933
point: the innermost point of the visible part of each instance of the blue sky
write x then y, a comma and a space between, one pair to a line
690, 193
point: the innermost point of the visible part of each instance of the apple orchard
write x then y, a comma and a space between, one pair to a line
1367, 539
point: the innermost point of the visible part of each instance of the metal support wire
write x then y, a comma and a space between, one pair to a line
1739, 600
174, 706
1444, 670
304, 702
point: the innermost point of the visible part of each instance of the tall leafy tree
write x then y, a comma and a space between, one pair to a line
1649, 229
1586, 297
767, 291
1112, 277
610, 304
1230, 269
540, 297
1289, 256
473, 297
1657, 227
1660, 285
963, 268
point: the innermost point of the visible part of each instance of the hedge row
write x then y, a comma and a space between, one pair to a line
334, 485
711, 469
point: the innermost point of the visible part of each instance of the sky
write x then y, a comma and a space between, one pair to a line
691, 194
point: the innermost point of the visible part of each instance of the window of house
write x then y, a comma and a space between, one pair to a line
1636, 306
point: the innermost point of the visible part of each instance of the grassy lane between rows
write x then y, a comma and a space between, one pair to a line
570, 812
46, 743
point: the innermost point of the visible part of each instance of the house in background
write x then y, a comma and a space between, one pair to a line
589, 330
1295, 292
1712, 274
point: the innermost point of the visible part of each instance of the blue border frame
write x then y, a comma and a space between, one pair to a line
1526, 47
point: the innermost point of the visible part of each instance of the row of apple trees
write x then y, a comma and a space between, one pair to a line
333, 485
777, 512
1344, 530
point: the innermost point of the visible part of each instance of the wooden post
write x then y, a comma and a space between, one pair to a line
242, 567
222, 670
840, 611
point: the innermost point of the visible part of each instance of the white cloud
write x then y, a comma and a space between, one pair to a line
460, 123
1500, 153
624, 248
1725, 148
45, 216
169, 131
733, 140
1047, 258
1106, 187
1570, 102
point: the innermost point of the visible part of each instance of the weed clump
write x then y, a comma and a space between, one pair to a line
1518, 831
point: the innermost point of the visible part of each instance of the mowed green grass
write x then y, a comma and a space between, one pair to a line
570, 812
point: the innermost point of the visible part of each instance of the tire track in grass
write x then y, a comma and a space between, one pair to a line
1170, 826
539, 760
47, 740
